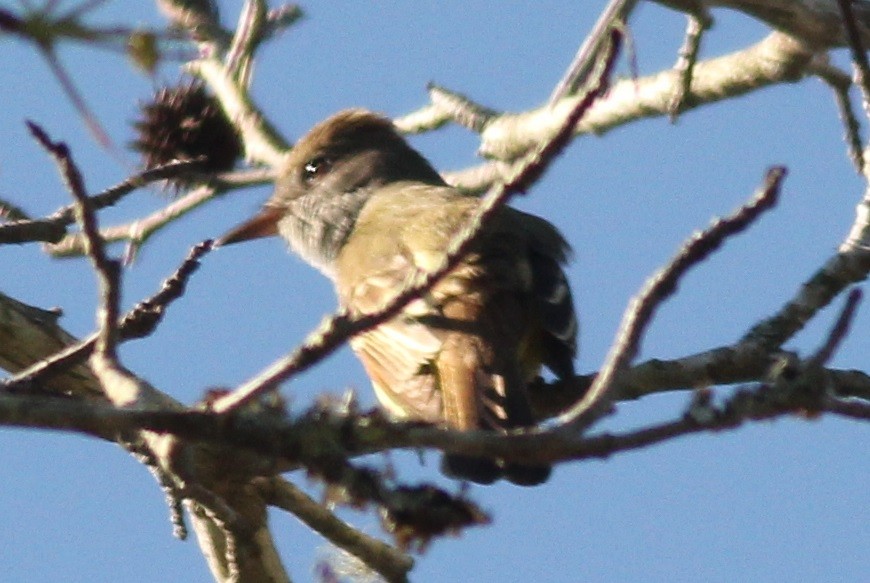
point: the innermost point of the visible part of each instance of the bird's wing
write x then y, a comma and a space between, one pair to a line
398, 353
451, 355
454, 355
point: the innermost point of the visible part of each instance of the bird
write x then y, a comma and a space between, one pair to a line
356, 201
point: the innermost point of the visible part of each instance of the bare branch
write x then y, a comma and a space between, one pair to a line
859, 53
459, 108
726, 365
139, 322
171, 491
698, 23
776, 59
110, 196
121, 387
448, 105
840, 83
52, 229
263, 144
840, 271
139, 231
816, 22
249, 33
660, 287
581, 66
839, 331
26, 231
235, 541
849, 265
391, 563
852, 409
322, 441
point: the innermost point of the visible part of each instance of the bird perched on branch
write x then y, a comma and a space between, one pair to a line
356, 201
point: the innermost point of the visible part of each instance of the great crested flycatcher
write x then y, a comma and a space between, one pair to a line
357, 202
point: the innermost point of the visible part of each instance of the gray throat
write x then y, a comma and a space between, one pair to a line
317, 229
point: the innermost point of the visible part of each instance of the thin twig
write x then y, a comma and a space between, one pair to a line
581, 66
139, 231
460, 108
657, 289
388, 561
698, 23
121, 387
171, 492
840, 329
75, 96
280, 18
249, 33
139, 322
843, 269
851, 409
142, 229
859, 54
110, 196
144, 317
106, 268
840, 83
263, 143
52, 228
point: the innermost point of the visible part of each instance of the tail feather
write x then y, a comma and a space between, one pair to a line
526, 475
474, 469
486, 471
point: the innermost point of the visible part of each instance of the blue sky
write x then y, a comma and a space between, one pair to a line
780, 501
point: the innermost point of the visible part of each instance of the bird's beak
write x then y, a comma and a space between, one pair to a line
263, 224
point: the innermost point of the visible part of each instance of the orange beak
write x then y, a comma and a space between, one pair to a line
263, 224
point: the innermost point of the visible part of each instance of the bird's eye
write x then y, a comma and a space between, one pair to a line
315, 167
